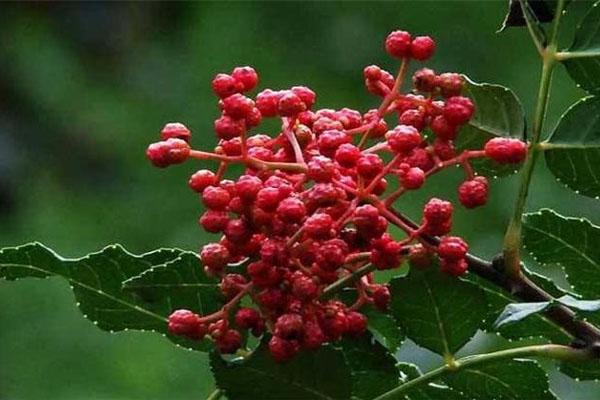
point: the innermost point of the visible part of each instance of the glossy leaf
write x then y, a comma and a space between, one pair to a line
584, 68
372, 367
572, 243
503, 380
430, 391
574, 148
438, 312
97, 281
319, 374
498, 112
541, 11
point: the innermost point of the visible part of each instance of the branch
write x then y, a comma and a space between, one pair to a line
553, 351
523, 288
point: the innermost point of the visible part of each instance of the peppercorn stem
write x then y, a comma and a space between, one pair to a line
552, 351
513, 235
346, 280
215, 395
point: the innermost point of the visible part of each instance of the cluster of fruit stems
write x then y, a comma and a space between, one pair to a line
586, 344
356, 265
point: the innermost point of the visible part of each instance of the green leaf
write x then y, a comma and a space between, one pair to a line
572, 243
498, 113
584, 68
318, 374
372, 367
574, 147
586, 371
438, 312
384, 327
537, 325
97, 282
541, 11
515, 312
430, 391
505, 380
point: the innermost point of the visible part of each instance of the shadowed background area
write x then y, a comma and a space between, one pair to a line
85, 87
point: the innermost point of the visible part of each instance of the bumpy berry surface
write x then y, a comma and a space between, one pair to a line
314, 202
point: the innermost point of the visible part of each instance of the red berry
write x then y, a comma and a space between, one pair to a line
237, 231
419, 256
458, 110
424, 80
347, 155
473, 193
168, 152
289, 326
332, 254
313, 335
452, 248
321, 169
246, 76
175, 130
444, 149
372, 72
290, 104
380, 128
307, 96
183, 322
247, 187
291, 210
304, 288
267, 102
414, 118
365, 217
247, 318
215, 198
323, 124
283, 350
214, 221
349, 118
421, 158
356, 323
369, 165
381, 297
453, 268
318, 226
329, 141
437, 211
232, 284
268, 198
225, 85
403, 138
422, 48
450, 84
506, 150
253, 119
385, 253
215, 256
272, 299
237, 106
229, 342
443, 129
228, 128
202, 179
397, 44
413, 178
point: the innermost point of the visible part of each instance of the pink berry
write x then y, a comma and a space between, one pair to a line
318, 225
246, 76
397, 44
215, 198
452, 248
437, 211
422, 48
228, 128
424, 80
413, 178
307, 96
473, 193
369, 165
290, 104
458, 110
214, 256
506, 150
347, 155
238, 106
443, 128
175, 130
168, 152
225, 85
403, 139
267, 102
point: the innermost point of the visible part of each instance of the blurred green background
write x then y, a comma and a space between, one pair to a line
84, 87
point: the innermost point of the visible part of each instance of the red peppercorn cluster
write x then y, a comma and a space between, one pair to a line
310, 213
